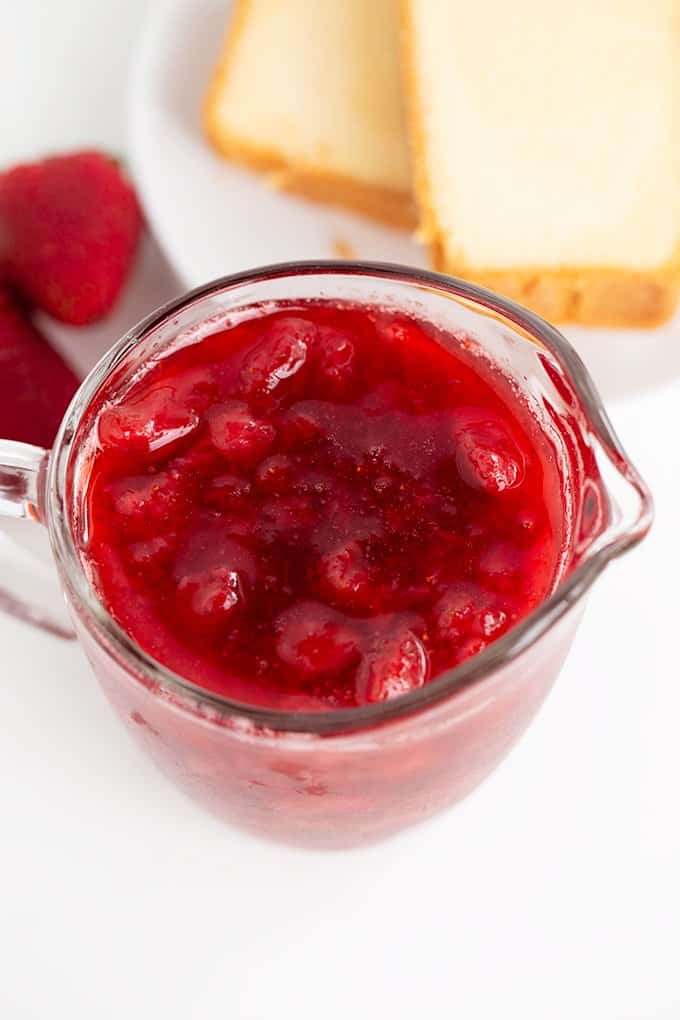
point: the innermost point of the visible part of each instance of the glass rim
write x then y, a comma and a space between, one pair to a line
451, 682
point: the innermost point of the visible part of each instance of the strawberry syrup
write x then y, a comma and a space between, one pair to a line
320, 507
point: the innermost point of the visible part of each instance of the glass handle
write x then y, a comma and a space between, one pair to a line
29, 588
21, 466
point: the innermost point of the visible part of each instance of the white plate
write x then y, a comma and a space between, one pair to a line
213, 218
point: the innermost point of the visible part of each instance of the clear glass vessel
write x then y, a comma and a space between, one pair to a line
351, 776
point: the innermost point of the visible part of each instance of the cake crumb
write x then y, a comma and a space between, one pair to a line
342, 249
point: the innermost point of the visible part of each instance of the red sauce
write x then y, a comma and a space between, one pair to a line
320, 507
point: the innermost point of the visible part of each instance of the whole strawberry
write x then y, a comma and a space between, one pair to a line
69, 228
36, 386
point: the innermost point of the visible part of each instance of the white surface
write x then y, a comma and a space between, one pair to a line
213, 218
553, 893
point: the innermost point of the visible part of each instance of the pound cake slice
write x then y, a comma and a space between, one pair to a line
546, 144
311, 92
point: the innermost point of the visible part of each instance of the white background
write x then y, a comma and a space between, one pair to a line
552, 893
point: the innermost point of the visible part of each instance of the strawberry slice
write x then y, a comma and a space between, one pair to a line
36, 386
69, 228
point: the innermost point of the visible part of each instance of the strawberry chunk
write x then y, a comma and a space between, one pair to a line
313, 639
36, 386
151, 422
487, 457
275, 474
208, 546
396, 665
151, 556
334, 358
238, 434
468, 609
274, 366
210, 597
69, 228
299, 428
214, 575
147, 503
347, 579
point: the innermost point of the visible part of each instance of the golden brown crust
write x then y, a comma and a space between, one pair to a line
428, 231
614, 297
343, 249
594, 296
393, 207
